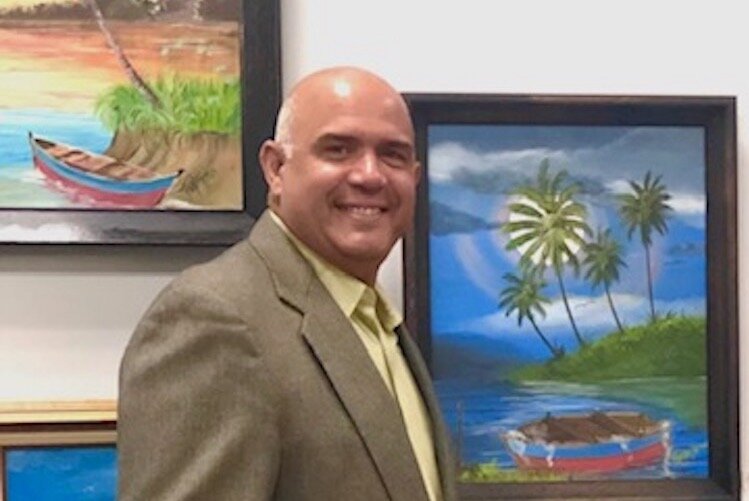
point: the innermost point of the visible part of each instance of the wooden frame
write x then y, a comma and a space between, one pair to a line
716, 115
62, 411
261, 90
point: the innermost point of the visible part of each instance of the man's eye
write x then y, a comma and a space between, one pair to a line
396, 158
337, 150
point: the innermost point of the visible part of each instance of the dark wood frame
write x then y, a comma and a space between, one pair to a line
261, 94
718, 116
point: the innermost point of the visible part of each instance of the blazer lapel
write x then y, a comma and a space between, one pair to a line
362, 392
443, 450
345, 362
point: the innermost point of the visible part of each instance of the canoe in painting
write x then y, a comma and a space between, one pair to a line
100, 178
589, 443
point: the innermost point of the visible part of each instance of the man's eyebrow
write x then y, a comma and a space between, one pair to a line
400, 144
403, 145
333, 136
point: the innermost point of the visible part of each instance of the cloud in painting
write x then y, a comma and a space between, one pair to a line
687, 249
445, 219
485, 172
674, 153
683, 203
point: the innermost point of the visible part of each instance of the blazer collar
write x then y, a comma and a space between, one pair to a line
343, 358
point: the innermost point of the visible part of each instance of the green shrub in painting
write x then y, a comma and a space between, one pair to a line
670, 346
188, 106
493, 473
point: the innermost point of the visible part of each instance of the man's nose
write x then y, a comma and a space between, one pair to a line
368, 171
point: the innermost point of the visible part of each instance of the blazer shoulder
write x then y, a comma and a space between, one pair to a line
237, 270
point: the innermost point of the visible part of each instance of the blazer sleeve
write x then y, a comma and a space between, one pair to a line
198, 413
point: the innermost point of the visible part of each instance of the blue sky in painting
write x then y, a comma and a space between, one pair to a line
61, 473
472, 170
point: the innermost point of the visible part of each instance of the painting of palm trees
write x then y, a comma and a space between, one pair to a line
562, 353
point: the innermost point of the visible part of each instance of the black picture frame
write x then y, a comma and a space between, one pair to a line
718, 117
261, 95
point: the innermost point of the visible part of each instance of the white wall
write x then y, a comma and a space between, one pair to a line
78, 306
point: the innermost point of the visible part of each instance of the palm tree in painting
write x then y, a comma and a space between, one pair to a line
646, 209
130, 71
602, 263
547, 226
523, 295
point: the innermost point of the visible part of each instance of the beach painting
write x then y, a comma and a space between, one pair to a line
120, 104
61, 473
568, 299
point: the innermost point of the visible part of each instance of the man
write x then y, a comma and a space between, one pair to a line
277, 371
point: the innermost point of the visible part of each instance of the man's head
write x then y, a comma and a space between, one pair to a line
341, 171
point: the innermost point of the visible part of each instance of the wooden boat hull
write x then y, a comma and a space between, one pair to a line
599, 452
139, 193
597, 458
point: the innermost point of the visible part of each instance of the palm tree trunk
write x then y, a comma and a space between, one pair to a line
196, 7
579, 338
555, 352
613, 310
650, 283
133, 75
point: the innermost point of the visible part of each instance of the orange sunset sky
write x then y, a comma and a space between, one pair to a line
15, 3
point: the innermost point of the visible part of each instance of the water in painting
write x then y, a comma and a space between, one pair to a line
120, 104
568, 280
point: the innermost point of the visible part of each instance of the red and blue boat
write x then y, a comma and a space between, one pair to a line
102, 179
597, 442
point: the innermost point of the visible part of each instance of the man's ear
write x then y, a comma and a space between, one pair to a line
417, 172
272, 157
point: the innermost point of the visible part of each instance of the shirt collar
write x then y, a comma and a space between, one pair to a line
347, 291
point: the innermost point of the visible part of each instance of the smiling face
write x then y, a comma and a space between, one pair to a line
343, 178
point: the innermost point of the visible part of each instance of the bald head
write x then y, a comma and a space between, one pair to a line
333, 89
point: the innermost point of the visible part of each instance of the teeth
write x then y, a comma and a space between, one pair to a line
366, 211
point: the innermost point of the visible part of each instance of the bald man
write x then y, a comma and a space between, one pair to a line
278, 371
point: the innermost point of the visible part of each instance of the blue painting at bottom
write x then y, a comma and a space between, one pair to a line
61, 473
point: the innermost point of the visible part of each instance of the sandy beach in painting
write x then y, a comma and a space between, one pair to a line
64, 65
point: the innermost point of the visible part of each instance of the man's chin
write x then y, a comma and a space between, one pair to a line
365, 251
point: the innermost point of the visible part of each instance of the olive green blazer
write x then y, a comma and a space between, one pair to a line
245, 381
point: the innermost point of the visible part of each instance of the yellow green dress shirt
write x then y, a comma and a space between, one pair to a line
374, 321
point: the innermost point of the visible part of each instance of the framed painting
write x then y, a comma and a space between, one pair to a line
135, 121
572, 282
61, 462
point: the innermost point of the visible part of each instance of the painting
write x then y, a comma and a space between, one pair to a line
58, 462
65, 473
127, 120
572, 280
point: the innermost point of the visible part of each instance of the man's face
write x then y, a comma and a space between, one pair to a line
347, 187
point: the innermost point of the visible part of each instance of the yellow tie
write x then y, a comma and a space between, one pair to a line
400, 382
